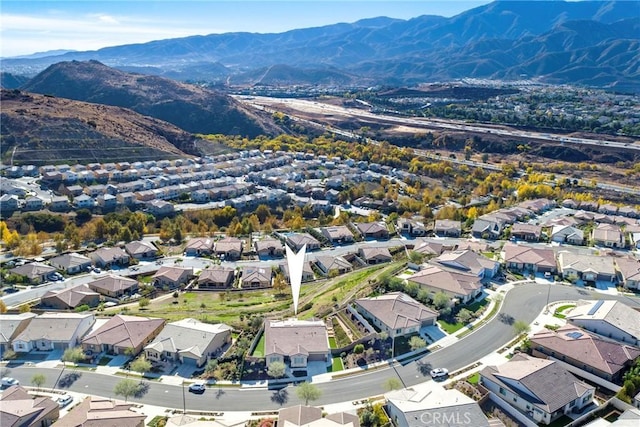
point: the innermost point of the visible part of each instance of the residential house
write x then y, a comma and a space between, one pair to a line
629, 212
160, 208
608, 209
396, 313
538, 205
255, 277
35, 272
106, 257
71, 263
469, 262
269, 247
333, 265
297, 240
447, 228
309, 416
139, 249
33, 203
229, 248
540, 388
102, 411
53, 331
429, 248
567, 234
373, 230
172, 276
590, 268
9, 203
307, 272
127, 198
114, 286
463, 287
375, 255
608, 235
216, 277
70, 298
527, 232
107, 201
486, 229
189, 341
529, 258
569, 203
608, 318
629, 272
589, 206
296, 342
12, 326
123, 335
338, 234
411, 227
18, 408
59, 204
84, 201
199, 246
604, 358
430, 404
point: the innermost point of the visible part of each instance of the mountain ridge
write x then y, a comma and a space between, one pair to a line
425, 46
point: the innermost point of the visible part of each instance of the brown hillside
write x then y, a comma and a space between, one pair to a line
43, 129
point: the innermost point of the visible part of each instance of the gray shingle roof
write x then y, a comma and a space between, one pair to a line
397, 310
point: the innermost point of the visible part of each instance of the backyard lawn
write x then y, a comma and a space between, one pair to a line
259, 350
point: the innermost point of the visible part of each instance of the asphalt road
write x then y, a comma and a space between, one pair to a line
524, 303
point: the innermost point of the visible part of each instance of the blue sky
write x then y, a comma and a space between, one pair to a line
36, 26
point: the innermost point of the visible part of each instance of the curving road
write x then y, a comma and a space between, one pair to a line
524, 302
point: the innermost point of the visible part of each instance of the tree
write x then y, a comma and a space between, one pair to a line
9, 354
464, 316
358, 349
3, 307
276, 369
73, 355
521, 327
416, 343
392, 384
126, 388
211, 367
441, 300
141, 365
307, 391
143, 302
416, 257
24, 308
38, 379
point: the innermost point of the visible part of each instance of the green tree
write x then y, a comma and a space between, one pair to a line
358, 349
416, 343
276, 369
521, 327
143, 302
308, 392
73, 355
392, 384
141, 365
211, 367
38, 379
464, 316
126, 388
416, 257
441, 300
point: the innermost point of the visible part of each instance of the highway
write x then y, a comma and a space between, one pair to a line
447, 124
266, 104
525, 302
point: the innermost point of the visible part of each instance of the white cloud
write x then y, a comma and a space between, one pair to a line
25, 34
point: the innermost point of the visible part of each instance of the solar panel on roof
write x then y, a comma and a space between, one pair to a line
575, 335
595, 308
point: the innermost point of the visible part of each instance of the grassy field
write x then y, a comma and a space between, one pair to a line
235, 307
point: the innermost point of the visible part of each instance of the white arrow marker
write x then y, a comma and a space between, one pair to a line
295, 262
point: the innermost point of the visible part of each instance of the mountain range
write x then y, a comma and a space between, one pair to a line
586, 42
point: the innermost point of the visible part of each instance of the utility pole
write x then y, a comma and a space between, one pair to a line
184, 400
